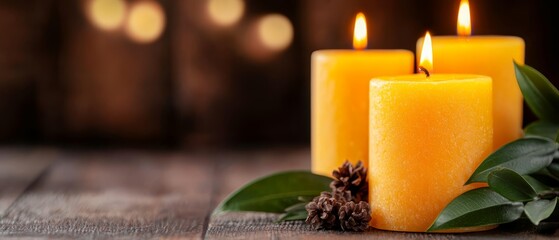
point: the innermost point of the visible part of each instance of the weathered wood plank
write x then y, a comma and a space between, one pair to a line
18, 169
132, 195
237, 225
263, 226
139, 195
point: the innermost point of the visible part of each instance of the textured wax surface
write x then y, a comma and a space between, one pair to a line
426, 138
492, 56
340, 99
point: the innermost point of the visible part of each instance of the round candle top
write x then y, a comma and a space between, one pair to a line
489, 41
433, 79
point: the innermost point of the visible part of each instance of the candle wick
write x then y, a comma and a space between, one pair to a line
424, 70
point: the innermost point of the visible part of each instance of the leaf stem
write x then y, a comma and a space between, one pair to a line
549, 194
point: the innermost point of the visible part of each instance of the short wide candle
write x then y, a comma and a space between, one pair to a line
426, 137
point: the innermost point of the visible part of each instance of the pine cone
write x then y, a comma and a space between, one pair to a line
354, 216
352, 179
323, 210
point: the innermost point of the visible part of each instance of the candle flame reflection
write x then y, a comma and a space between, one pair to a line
426, 59
360, 32
464, 26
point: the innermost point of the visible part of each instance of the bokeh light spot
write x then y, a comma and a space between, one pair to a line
146, 21
226, 12
275, 31
106, 14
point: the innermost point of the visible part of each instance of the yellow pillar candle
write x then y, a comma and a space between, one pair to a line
486, 55
339, 99
427, 135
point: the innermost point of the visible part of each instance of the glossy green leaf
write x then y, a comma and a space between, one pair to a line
293, 216
511, 185
540, 95
542, 128
523, 156
536, 184
539, 210
274, 193
478, 207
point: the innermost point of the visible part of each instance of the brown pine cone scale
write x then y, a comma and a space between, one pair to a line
323, 211
354, 216
353, 179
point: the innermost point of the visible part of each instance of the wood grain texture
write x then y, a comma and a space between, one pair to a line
18, 169
245, 225
263, 226
148, 195
115, 195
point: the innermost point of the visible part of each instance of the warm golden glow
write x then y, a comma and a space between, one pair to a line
146, 21
426, 59
106, 14
464, 25
275, 31
226, 12
360, 32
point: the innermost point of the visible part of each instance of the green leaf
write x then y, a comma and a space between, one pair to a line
511, 185
296, 207
542, 128
539, 210
292, 216
478, 207
536, 184
523, 156
274, 193
540, 95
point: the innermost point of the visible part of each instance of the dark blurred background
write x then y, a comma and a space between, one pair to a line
207, 73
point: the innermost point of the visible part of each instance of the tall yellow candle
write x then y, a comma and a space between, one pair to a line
486, 55
427, 135
339, 99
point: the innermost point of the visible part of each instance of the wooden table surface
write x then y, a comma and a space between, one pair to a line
133, 194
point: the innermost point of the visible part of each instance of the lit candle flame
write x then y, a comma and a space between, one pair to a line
360, 32
426, 59
464, 25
